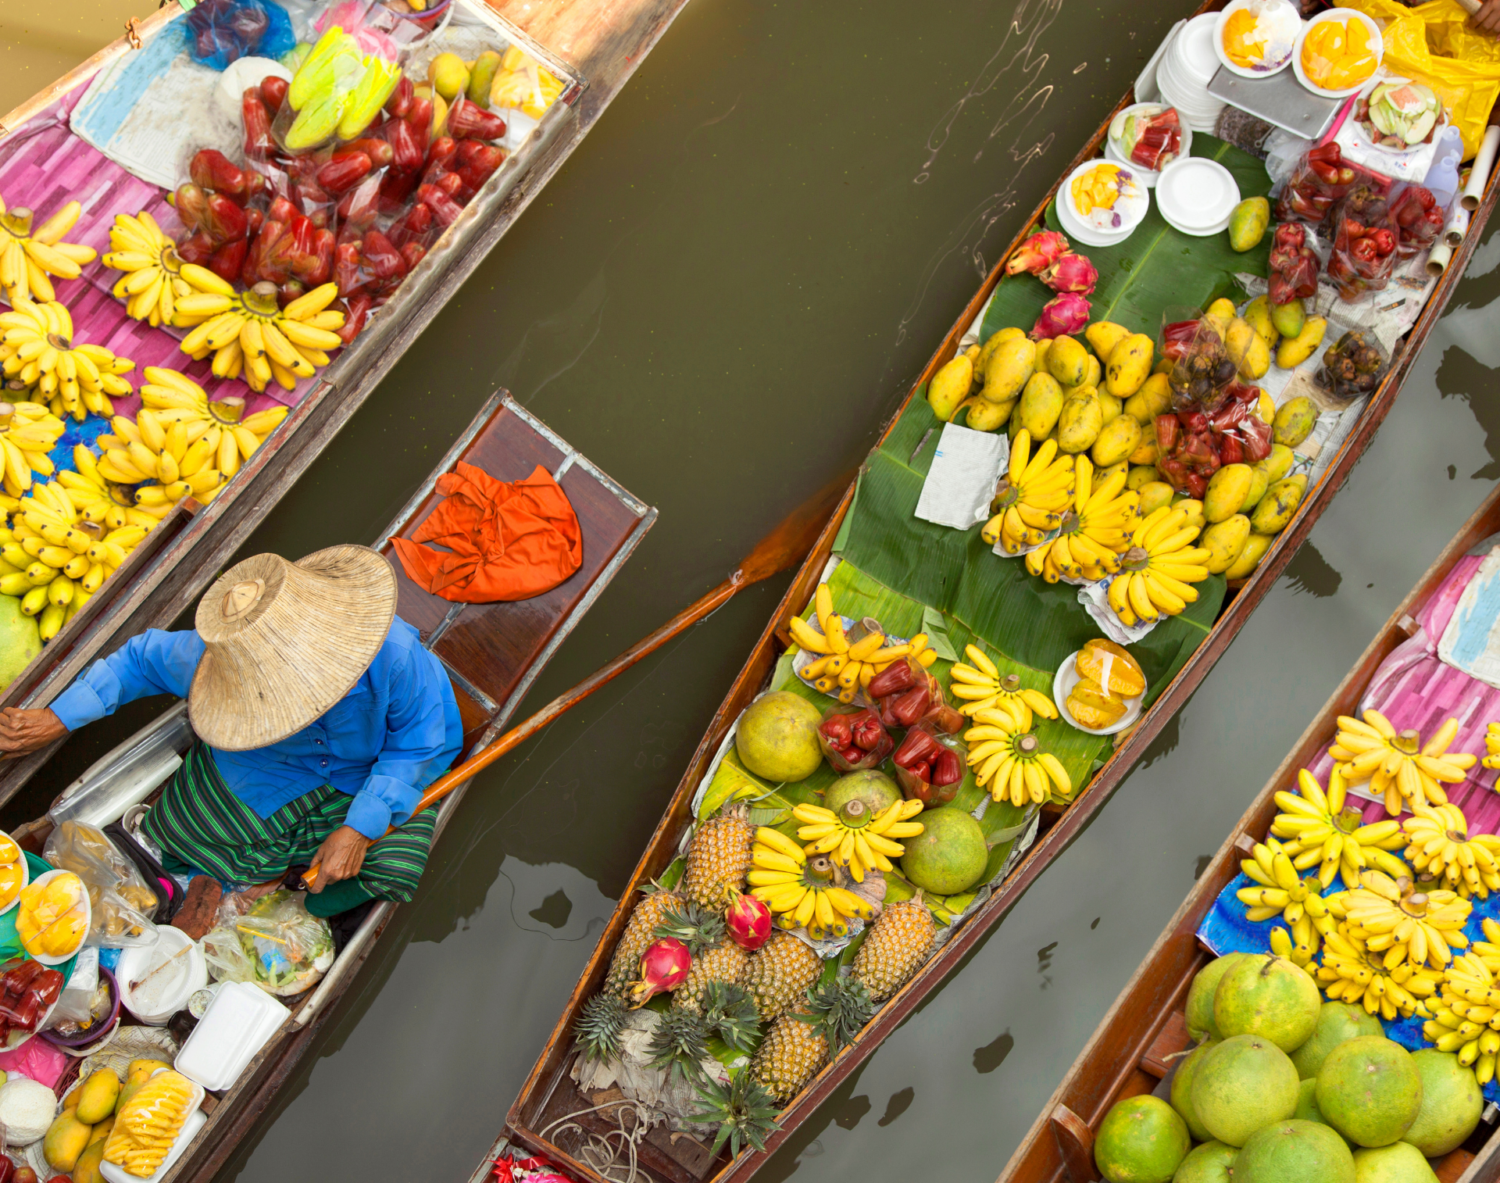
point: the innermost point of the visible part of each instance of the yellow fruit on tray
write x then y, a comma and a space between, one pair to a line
1244, 41
149, 1123
52, 918
1092, 707
1101, 660
1336, 54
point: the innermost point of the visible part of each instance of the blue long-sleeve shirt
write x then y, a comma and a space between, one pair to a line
384, 742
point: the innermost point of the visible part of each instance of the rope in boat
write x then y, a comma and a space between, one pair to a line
599, 1152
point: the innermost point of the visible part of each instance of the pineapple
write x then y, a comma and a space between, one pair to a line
896, 948
597, 1031
725, 962
640, 931
718, 858
729, 1014
680, 1042
742, 1110
793, 1049
780, 973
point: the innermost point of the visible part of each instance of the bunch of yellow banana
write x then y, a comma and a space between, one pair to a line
250, 334
1096, 531
854, 839
228, 439
56, 560
802, 893
1492, 746
168, 454
1398, 765
36, 346
1033, 496
29, 256
1438, 843
984, 688
154, 274
28, 431
1392, 917
1350, 972
844, 668
1282, 892
1466, 1015
1321, 832
100, 500
1011, 762
1157, 573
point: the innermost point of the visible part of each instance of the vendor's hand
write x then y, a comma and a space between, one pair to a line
340, 857
1488, 16
24, 731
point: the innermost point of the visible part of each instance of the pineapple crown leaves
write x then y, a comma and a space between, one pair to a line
743, 1111
729, 1012
840, 1009
696, 927
597, 1032
680, 1041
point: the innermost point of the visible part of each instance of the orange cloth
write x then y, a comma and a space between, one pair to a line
506, 541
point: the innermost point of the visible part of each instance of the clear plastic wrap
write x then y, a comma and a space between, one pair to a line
27, 990
929, 766
1364, 243
1420, 218
1353, 365
906, 694
1318, 182
224, 31
273, 942
120, 900
853, 738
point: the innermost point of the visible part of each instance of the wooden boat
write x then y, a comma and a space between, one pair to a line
549, 1095
492, 652
1133, 1047
594, 46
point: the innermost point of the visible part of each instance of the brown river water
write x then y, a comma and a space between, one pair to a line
719, 299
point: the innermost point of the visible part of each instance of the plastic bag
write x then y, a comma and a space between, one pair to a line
906, 694
1353, 366
1364, 244
273, 942
853, 738
27, 989
929, 767
120, 899
226, 30
1317, 183
337, 92
1293, 264
1419, 219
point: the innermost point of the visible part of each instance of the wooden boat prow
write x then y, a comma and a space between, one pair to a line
1135, 1045
492, 652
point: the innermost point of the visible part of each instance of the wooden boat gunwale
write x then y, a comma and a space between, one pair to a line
1122, 1038
547, 1074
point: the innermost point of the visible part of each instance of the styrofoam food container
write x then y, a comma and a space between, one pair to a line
196, 1119
1195, 195
164, 994
1287, 18
237, 1024
1062, 685
88, 916
1339, 14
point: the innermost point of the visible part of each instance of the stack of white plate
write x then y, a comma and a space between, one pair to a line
1197, 195
1185, 70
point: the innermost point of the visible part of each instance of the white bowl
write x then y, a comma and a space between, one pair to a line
1066, 678
1112, 146
1262, 5
1338, 14
25, 879
88, 916
1077, 232
1197, 195
1194, 54
1131, 205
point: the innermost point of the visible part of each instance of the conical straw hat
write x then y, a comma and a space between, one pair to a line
285, 641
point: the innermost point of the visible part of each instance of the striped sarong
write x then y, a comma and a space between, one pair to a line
202, 822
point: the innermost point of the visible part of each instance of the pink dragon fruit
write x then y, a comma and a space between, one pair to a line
1066, 313
1071, 273
664, 967
749, 922
1037, 253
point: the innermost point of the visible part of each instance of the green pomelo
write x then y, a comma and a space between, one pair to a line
871, 788
1400, 1162
1142, 1140
1268, 996
1451, 1103
1213, 1162
1182, 1091
1244, 1083
1338, 1022
20, 640
777, 737
1369, 1090
949, 855
1307, 1105
1199, 1011
1294, 1152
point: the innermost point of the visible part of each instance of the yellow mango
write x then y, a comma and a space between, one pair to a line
1293, 351
1103, 336
1129, 365
989, 348
1092, 707
1117, 439
1152, 399
1289, 317
1258, 317
1043, 348
101, 1129
1095, 374
1259, 483
1248, 222
1147, 451
1067, 361
65, 1140
1126, 678
100, 1091
1225, 540
1153, 494
950, 386
1040, 406
1141, 474
1009, 369
1248, 350
983, 415
1080, 423
1226, 492
87, 1170
1265, 408
1103, 474
1112, 406
1278, 505
1277, 464
1295, 420
1194, 513
1255, 550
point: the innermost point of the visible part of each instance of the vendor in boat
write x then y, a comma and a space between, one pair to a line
320, 719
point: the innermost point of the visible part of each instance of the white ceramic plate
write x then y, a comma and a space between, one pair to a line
1132, 204
1076, 231
1195, 57
25, 879
1112, 146
88, 916
1062, 685
1195, 194
1338, 14
1291, 16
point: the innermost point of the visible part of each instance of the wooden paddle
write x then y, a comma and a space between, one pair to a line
783, 547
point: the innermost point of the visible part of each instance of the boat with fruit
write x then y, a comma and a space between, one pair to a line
1102, 470
493, 652
1422, 712
294, 186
